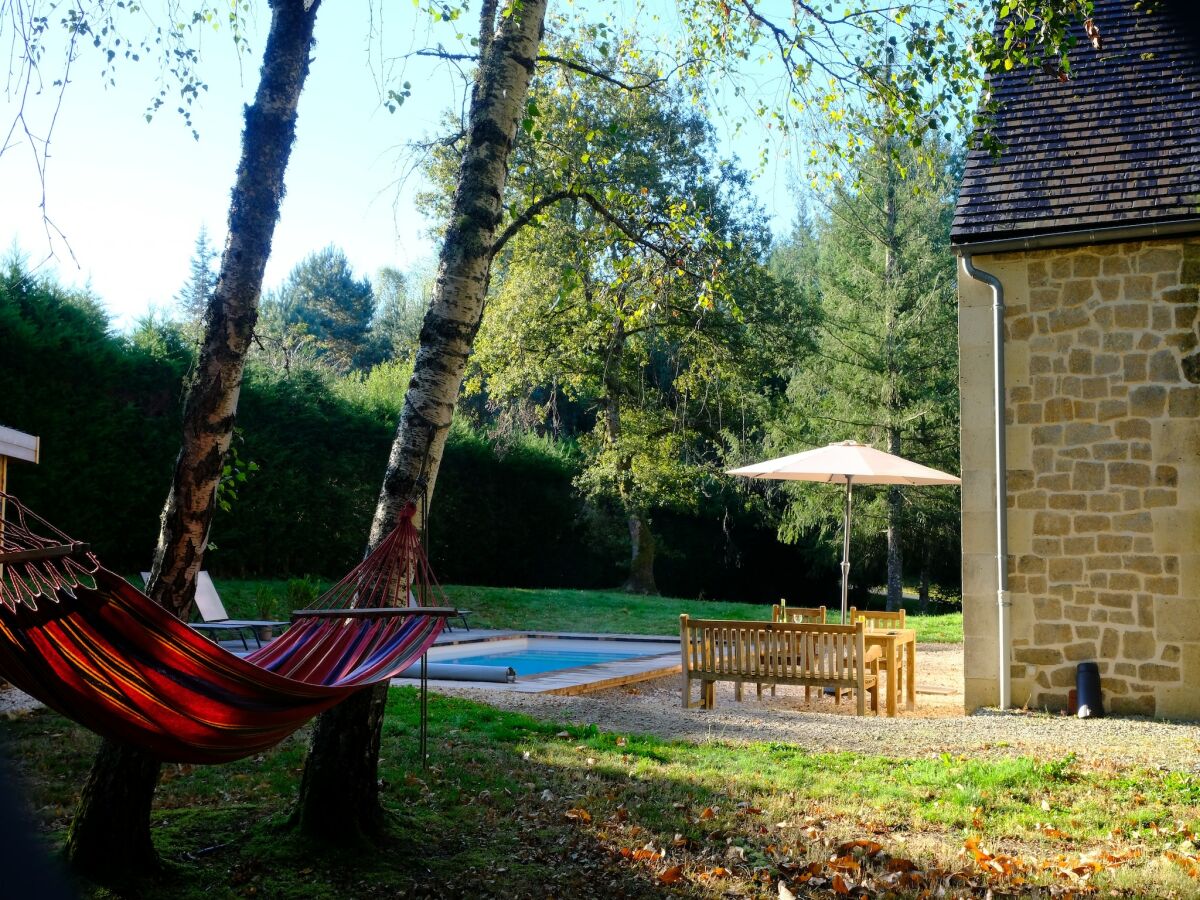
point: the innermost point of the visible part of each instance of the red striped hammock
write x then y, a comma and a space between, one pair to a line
97, 650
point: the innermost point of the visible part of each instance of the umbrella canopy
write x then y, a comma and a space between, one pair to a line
848, 463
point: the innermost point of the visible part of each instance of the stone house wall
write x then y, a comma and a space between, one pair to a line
1103, 444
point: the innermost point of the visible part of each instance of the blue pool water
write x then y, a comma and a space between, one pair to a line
533, 661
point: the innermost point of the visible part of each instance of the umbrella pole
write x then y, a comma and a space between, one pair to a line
846, 549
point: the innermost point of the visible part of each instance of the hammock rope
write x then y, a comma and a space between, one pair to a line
91, 646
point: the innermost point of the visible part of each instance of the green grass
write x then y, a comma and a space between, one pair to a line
517, 807
605, 612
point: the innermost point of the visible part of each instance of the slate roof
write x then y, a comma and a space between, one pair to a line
1118, 144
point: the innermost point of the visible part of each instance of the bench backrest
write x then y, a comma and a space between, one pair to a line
808, 615
784, 650
878, 618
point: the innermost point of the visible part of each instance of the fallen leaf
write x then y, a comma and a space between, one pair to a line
578, 814
672, 875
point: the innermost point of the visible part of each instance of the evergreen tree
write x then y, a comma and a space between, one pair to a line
335, 308
193, 297
884, 370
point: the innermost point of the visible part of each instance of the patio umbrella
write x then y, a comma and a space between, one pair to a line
848, 463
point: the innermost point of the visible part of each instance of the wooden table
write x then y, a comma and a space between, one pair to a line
893, 642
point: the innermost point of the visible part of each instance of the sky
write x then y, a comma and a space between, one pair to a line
130, 196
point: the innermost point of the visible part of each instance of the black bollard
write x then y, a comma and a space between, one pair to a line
1087, 690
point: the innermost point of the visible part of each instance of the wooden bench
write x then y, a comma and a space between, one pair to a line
806, 655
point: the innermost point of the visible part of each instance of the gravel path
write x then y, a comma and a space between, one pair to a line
936, 726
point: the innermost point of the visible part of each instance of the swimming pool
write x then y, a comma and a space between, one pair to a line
531, 656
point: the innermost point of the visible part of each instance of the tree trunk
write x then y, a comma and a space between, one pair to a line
339, 792
111, 830
892, 402
923, 590
641, 563
895, 560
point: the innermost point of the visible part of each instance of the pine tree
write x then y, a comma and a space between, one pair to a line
193, 297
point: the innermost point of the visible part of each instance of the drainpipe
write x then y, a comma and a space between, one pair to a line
1003, 600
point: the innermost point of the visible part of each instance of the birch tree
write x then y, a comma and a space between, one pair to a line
111, 829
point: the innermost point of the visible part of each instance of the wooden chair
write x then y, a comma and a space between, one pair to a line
777, 653
883, 620
807, 615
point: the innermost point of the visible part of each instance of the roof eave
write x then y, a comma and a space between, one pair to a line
1079, 237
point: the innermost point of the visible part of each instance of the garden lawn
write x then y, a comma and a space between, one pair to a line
604, 612
515, 807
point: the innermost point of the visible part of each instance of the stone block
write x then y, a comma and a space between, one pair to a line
1114, 543
1161, 319
1176, 530
1157, 672
1081, 433
1052, 635
1104, 503
1166, 476
1063, 677
1038, 656
1125, 670
1046, 608
1177, 702
1138, 522
1134, 367
1147, 401
1111, 409
1087, 632
1095, 387
1030, 500
1188, 294
1164, 367
1068, 501
1133, 429
1128, 473
1156, 498
1051, 523
1149, 341
1145, 610
1138, 645
1097, 579
1121, 617
1133, 705
1114, 600
1138, 287
1029, 414
1183, 403
1110, 450
1079, 362
1143, 564
1073, 613
1177, 441
1079, 546
1115, 265
1159, 259
1070, 318
1124, 581
1058, 409
1047, 435
1176, 619
1066, 570
1106, 364
1131, 315
1080, 651
1117, 341
1163, 584
1091, 524
1109, 643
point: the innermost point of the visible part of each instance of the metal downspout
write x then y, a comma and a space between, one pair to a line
1003, 600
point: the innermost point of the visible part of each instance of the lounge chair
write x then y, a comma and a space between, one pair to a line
216, 619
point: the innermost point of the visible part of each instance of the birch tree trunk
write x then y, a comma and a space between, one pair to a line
339, 792
111, 830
